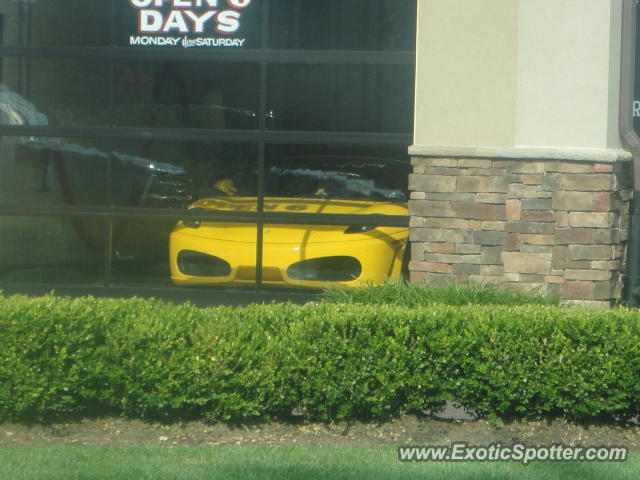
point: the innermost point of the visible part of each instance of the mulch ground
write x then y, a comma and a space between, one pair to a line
408, 430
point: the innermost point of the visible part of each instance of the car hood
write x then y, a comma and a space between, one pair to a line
295, 234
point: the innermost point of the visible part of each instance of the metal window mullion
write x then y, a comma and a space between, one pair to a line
233, 56
262, 126
108, 238
285, 137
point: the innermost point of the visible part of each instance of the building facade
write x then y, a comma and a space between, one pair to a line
497, 121
519, 174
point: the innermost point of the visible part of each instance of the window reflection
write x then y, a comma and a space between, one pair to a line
134, 94
351, 98
343, 25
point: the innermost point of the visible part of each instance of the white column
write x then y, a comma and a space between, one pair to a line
519, 78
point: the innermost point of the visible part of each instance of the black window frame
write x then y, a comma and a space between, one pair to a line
262, 137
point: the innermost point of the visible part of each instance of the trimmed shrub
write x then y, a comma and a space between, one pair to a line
149, 359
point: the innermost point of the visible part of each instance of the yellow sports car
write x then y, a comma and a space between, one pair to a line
313, 256
211, 253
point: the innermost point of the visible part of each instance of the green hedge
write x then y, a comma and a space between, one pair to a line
151, 359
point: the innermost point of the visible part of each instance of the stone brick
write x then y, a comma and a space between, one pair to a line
477, 211
554, 279
514, 209
487, 280
419, 169
552, 182
489, 238
482, 184
432, 183
474, 163
560, 258
591, 219
587, 275
520, 166
476, 225
417, 277
602, 291
491, 270
562, 219
448, 223
532, 278
537, 216
605, 265
430, 267
418, 196
512, 243
578, 289
539, 239
492, 256
516, 262
444, 258
485, 172
499, 198
443, 162
450, 196
590, 252
437, 247
573, 201
526, 287
416, 222
603, 167
427, 208
537, 204
532, 179
467, 249
569, 167
495, 226
443, 171
531, 227
511, 277
437, 235
602, 201
568, 236
417, 251
461, 269
593, 182
528, 248
518, 190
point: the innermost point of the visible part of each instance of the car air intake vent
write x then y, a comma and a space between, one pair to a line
326, 269
199, 264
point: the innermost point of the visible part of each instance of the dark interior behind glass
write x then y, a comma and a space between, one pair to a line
318, 102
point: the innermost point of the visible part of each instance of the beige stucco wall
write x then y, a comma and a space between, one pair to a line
518, 73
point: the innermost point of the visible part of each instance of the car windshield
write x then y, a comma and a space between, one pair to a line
340, 178
351, 178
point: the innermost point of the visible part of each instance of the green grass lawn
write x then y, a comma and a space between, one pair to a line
282, 463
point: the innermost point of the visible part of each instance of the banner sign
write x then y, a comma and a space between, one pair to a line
190, 23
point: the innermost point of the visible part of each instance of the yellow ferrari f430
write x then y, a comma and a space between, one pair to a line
312, 256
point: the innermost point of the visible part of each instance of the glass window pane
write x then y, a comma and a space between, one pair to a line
69, 91
57, 22
144, 173
99, 23
343, 25
186, 94
52, 250
45, 171
378, 174
350, 98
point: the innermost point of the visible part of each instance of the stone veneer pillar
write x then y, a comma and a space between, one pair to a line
555, 225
